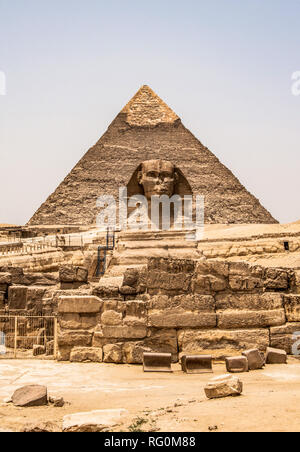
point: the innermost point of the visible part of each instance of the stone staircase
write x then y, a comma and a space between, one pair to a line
133, 248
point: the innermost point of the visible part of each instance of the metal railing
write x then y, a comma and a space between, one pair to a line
26, 336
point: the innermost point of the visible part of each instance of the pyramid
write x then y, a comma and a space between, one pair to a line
148, 129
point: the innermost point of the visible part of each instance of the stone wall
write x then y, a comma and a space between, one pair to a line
183, 306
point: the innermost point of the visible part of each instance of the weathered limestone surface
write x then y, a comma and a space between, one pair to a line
223, 386
284, 337
292, 307
146, 129
222, 342
220, 308
79, 304
31, 395
250, 319
85, 354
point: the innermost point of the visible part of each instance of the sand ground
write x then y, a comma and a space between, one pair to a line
155, 401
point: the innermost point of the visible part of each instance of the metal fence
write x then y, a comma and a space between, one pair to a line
27, 337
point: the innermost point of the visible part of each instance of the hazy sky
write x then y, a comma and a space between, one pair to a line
224, 66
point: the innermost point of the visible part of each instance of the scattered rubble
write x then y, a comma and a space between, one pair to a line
31, 395
93, 421
223, 386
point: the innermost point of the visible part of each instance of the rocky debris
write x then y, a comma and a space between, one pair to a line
276, 356
237, 364
42, 427
223, 386
31, 395
255, 359
38, 350
93, 421
57, 402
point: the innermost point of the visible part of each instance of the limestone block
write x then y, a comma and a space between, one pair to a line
107, 292
111, 318
17, 297
71, 273
276, 356
297, 281
285, 337
124, 332
223, 386
292, 307
160, 341
83, 354
187, 302
276, 279
76, 321
236, 364
205, 284
17, 274
5, 278
64, 353
40, 279
246, 269
250, 319
181, 319
112, 353
74, 338
171, 265
79, 304
171, 282
30, 395
212, 267
255, 359
127, 290
264, 301
115, 305
245, 283
136, 308
221, 343
131, 321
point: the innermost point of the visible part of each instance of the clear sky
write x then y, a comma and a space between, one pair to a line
224, 66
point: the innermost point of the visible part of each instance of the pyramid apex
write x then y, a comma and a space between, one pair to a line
146, 108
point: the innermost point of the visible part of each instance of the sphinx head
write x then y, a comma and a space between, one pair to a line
157, 177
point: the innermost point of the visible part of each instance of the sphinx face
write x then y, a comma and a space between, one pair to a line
158, 178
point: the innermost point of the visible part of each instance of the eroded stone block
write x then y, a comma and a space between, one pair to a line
255, 359
84, 354
292, 307
74, 338
79, 304
237, 364
223, 386
112, 353
276, 356
285, 337
181, 319
250, 319
245, 302
221, 343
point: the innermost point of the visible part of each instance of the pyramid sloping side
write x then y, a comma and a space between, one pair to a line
133, 138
